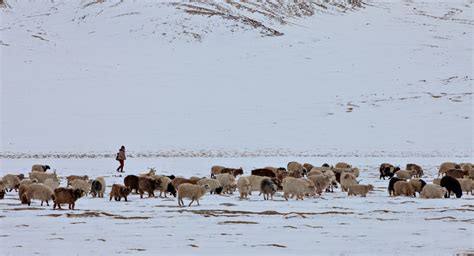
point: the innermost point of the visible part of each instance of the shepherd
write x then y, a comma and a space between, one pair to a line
121, 158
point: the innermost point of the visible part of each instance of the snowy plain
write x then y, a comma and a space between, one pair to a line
390, 81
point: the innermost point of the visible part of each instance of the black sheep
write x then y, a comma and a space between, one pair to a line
452, 185
131, 181
171, 189
391, 183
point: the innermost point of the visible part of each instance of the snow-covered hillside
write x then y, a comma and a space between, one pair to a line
386, 78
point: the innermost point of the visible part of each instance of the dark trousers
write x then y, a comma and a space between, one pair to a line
120, 168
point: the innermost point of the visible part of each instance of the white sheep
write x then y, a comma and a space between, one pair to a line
321, 182
466, 185
98, 187
83, 185
433, 191
404, 174
213, 184
315, 171
40, 192
227, 182
255, 182
332, 177
357, 189
244, 186
42, 176
52, 184
164, 182
347, 179
437, 181
298, 187
295, 169
11, 181
28, 182
191, 191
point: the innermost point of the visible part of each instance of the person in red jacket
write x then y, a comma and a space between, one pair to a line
121, 158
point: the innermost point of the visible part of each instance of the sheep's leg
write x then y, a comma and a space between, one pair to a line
41, 202
191, 202
47, 203
197, 200
125, 198
110, 198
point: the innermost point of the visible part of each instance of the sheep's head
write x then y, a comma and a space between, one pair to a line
77, 193
239, 171
171, 189
219, 190
46, 167
125, 191
171, 177
370, 187
325, 165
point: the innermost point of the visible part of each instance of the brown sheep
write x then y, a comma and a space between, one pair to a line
264, 172
216, 169
456, 173
403, 188
342, 165
70, 178
178, 181
147, 184
296, 170
357, 189
308, 166
418, 170
66, 196
444, 167
119, 191
233, 171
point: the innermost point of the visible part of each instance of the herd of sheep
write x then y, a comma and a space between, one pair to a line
296, 180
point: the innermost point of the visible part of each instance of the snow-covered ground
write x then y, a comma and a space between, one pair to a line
390, 76
185, 85
331, 225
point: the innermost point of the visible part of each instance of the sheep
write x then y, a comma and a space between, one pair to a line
83, 185
466, 185
433, 191
118, 191
66, 196
70, 178
308, 166
233, 171
437, 181
342, 165
28, 182
39, 168
52, 184
191, 191
357, 189
255, 182
332, 177
131, 181
403, 174
165, 186
321, 182
298, 187
452, 185
387, 170
216, 169
314, 171
418, 170
98, 187
42, 176
10, 182
151, 172
178, 181
268, 188
227, 182
417, 184
147, 184
296, 169
444, 167
391, 185
264, 172
38, 191
403, 188
244, 186
214, 185
468, 169
456, 173
347, 179
354, 171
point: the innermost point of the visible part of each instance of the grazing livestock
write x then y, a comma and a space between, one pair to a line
403, 188
418, 170
444, 167
387, 170
39, 168
347, 179
403, 174
165, 186
214, 185
391, 185
70, 178
297, 187
342, 165
452, 185
66, 196
467, 185
437, 181
308, 167
456, 173
131, 181
118, 191
321, 182
433, 191
98, 187
255, 182
38, 191
147, 184
10, 182
52, 184
296, 170
244, 186
233, 171
361, 190
417, 184
83, 185
264, 172
228, 183
268, 188
178, 181
191, 191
